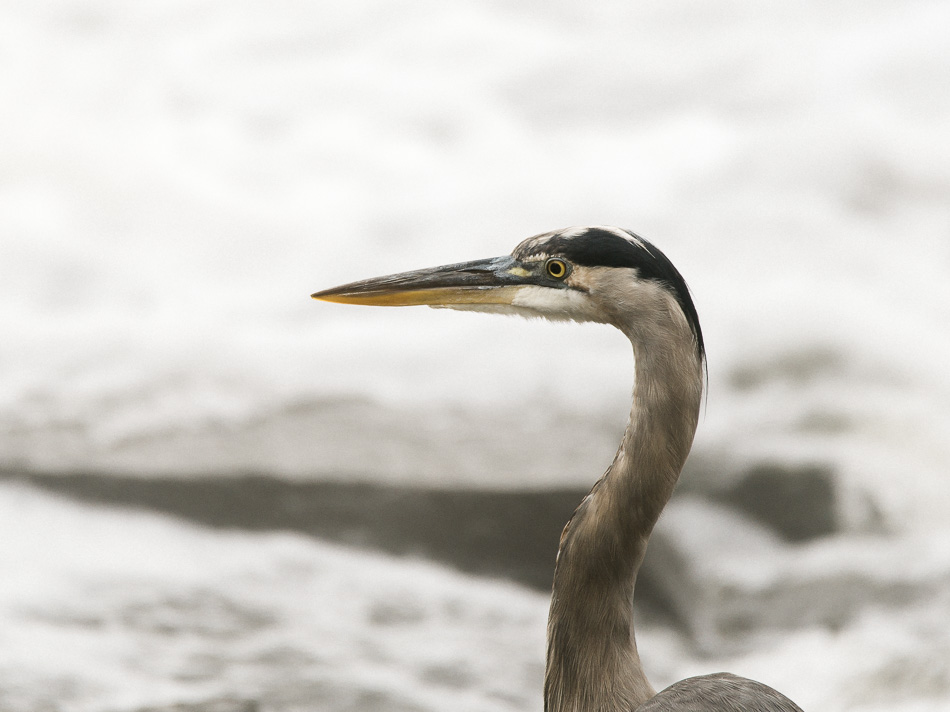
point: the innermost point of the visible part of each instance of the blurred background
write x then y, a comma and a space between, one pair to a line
219, 495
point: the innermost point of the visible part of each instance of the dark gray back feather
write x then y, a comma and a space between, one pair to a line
719, 692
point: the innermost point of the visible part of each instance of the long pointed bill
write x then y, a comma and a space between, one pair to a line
491, 281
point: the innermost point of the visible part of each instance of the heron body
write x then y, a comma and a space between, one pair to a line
612, 276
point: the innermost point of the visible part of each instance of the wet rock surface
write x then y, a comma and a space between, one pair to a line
514, 535
798, 503
723, 576
213, 705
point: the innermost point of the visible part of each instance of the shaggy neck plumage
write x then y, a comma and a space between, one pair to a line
592, 660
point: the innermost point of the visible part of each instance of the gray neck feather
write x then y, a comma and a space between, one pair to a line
592, 660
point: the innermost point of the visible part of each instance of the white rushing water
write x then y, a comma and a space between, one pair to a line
177, 177
105, 610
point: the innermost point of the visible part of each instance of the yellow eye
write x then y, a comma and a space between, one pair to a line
556, 268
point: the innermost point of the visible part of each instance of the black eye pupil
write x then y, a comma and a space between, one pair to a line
556, 268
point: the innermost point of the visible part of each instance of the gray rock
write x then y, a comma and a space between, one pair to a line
725, 577
220, 704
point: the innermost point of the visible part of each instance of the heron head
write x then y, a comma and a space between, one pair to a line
597, 274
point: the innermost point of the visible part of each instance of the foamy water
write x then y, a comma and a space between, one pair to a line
175, 179
102, 609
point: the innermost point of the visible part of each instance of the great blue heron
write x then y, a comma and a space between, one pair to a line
610, 276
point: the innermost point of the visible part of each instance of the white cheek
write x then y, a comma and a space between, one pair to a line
556, 303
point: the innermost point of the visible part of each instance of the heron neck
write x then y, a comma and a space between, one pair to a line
592, 661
